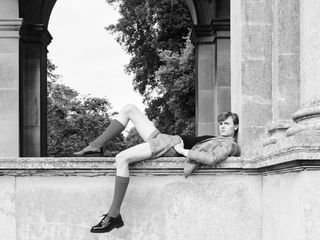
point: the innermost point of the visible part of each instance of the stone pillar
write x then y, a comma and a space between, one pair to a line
34, 41
251, 69
308, 117
212, 74
9, 78
285, 67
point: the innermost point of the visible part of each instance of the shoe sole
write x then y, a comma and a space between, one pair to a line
104, 231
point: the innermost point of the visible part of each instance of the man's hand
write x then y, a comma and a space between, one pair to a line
181, 150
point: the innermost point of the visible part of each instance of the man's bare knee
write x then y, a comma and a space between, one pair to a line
129, 109
121, 160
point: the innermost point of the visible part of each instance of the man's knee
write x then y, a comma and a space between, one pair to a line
129, 108
121, 160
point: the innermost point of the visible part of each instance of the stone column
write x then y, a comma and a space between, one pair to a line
35, 39
9, 78
285, 67
251, 69
213, 74
308, 117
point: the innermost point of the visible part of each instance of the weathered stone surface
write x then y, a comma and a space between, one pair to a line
256, 11
206, 66
223, 62
7, 208
288, 24
9, 140
282, 219
224, 97
256, 42
65, 208
309, 50
9, 105
207, 104
9, 71
256, 80
11, 9
251, 139
288, 87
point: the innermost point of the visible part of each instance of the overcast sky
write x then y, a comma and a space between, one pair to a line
87, 56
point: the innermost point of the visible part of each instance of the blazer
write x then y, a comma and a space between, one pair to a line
214, 150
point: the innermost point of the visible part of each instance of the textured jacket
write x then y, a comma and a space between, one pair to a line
214, 150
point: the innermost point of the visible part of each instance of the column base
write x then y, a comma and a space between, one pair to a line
307, 119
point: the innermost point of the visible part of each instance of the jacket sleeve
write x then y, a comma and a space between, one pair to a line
215, 156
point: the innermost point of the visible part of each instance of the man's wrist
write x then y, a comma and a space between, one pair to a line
186, 153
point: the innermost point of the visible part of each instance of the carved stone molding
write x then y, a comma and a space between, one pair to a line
35, 33
294, 159
9, 28
218, 28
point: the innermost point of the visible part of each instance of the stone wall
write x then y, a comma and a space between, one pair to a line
243, 199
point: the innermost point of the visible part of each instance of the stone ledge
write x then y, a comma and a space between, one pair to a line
293, 159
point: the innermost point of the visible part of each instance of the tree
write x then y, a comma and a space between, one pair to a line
73, 121
173, 105
155, 34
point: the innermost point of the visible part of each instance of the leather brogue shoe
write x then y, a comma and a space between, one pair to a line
107, 223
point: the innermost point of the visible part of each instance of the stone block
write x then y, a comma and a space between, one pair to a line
9, 71
257, 79
206, 67
9, 45
251, 139
256, 11
7, 208
206, 106
256, 42
9, 139
223, 62
224, 99
255, 113
288, 87
205, 128
289, 26
9, 9
9, 105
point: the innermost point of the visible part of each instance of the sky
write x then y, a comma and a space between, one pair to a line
87, 56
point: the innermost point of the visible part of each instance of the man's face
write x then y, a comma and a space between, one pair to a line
227, 127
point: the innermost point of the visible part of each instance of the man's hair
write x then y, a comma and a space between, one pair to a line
224, 115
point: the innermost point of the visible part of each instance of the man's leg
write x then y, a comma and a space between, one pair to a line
130, 112
123, 159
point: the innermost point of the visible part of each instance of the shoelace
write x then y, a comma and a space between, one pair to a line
105, 218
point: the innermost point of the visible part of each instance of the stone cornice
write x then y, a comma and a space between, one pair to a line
218, 28
289, 160
35, 33
9, 28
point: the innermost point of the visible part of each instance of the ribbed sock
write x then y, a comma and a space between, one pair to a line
113, 130
120, 188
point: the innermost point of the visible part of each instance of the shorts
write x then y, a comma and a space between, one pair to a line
162, 144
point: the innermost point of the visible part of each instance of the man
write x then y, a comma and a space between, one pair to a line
199, 150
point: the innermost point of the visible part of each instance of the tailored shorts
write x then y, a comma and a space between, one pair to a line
162, 144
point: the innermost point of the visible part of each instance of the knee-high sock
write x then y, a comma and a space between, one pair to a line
113, 130
120, 189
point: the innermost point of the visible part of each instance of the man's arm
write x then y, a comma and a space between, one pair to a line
210, 157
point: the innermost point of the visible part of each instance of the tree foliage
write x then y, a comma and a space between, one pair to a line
73, 122
155, 34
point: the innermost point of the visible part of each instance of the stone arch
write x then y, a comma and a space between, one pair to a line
23, 24
34, 39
